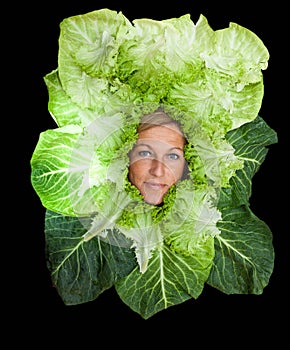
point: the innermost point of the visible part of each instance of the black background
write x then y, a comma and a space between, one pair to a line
35, 309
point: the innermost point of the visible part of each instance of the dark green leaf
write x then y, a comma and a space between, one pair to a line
244, 254
250, 142
170, 279
80, 270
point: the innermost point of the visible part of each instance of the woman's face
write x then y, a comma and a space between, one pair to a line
157, 161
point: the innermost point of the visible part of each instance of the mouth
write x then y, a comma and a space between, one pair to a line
155, 186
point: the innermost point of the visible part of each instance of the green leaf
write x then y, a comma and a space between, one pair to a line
244, 254
250, 142
109, 71
50, 165
170, 279
81, 270
61, 107
88, 52
67, 170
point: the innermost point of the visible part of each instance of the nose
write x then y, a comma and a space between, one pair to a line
157, 168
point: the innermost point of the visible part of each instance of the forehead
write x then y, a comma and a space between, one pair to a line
168, 135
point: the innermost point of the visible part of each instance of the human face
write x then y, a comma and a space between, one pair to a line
157, 161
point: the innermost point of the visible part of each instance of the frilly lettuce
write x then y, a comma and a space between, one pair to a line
99, 232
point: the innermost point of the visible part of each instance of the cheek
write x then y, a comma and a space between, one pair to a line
136, 170
176, 172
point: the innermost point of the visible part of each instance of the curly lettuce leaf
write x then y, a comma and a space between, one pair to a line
106, 61
146, 236
88, 52
192, 219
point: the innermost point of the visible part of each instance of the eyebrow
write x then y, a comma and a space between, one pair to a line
145, 144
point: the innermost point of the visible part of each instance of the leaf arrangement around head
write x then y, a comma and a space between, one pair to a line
99, 232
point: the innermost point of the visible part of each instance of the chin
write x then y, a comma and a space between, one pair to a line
154, 201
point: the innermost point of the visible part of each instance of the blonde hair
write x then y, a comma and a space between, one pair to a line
157, 118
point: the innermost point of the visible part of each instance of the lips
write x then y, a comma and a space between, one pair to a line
155, 186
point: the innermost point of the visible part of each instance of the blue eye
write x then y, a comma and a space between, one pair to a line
173, 156
144, 154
